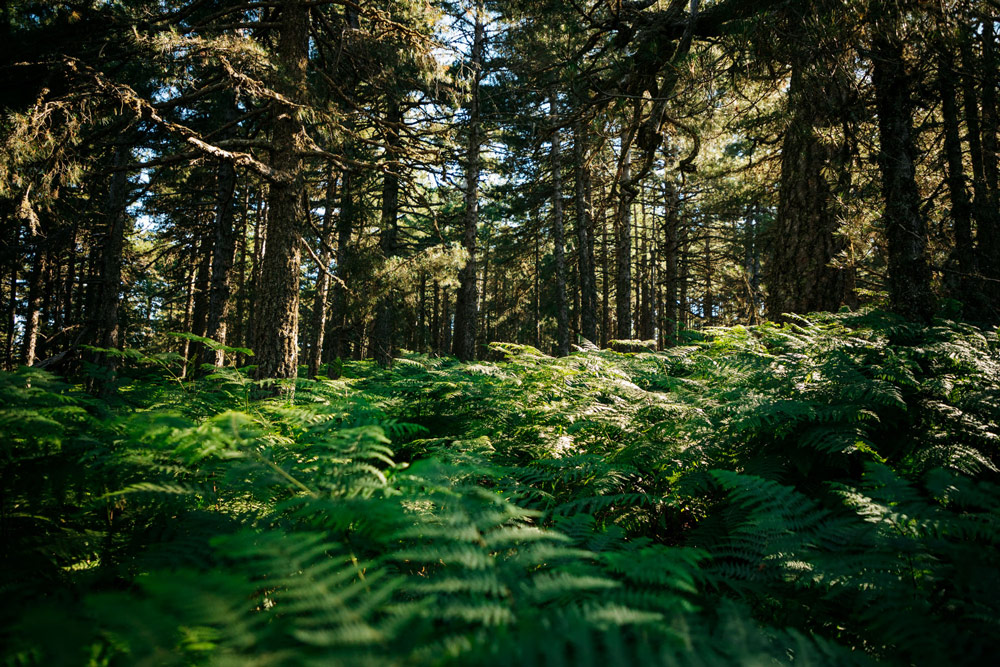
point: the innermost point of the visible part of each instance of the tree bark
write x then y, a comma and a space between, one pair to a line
465, 307
644, 291
10, 317
223, 258
605, 282
623, 251
989, 227
323, 280
669, 275
558, 233
683, 304
421, 338
906, 229
436, 318
983, 211
338, 309
106, 320
963, 254
708, 304
277, 326
584, 236
385, 312
33, 320
804, 238
537, 304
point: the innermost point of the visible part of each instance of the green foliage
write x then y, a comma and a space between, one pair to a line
822, 492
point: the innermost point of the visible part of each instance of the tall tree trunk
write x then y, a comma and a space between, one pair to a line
708, 305
445, 320
323, 280
199, 322
277, 328
990, 120
10, 317
223, 257
338, 309
983, 212
537, 304
751, 264
106, 320
465, 307
909, 274
239, 335
605, 283
669, 275
188, 323
558, 233
70, 297
421, 338
804, 237
584, 235
989, 231
385, 311
963, 255
436, 318
644, 293
256, 267
623, 251
683, 304
33, 320
485, 309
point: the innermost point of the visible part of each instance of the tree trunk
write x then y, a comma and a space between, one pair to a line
990, 120
804, 237
199, 322
963, 255
989, 230
708, 304
537, 305
982, 211
223, 257
338, 309
33, 320
69, 297
239, 335
436, 318
584, 236
646, 276
465, 307
421, 339
277, 326
605, 283
385, 311
188, 324
623, 252
683, 304
323, 280
106, 323
256, 267
669, 275
10, 317
558, 233
445, 320
906, 230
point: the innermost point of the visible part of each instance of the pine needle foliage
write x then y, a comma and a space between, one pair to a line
821, 492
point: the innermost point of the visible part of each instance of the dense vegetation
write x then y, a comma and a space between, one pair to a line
822, 492
435, 332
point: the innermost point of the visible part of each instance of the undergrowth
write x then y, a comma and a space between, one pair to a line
822, 492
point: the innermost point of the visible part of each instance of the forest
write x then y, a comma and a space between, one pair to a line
499, 332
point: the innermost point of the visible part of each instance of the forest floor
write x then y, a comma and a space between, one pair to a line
822, 492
